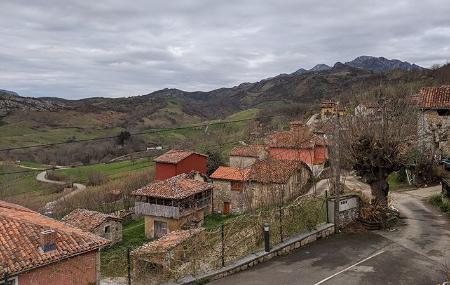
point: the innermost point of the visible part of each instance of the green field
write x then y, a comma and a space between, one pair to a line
112, 170
395, 182
24, 189
114, 258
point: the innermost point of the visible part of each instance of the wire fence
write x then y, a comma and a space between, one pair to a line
241, 236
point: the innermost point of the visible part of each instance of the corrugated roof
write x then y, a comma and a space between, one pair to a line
20, 236
174, 156
87, 220
177, 187
435, 97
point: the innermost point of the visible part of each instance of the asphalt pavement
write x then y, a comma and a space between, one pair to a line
415, 252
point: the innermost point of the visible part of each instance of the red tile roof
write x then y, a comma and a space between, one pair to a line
328, 104
230, 173
273, 170
248, 150
167, 242
262, 171
177, 187
87, 220
20, 236
435, 97
175, 156
303, 137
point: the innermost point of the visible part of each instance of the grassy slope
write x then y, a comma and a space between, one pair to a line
113, 170
23, 188
114, 258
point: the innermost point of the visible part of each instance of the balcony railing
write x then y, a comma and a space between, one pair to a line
173, 212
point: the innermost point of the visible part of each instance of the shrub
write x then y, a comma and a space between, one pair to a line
96, 178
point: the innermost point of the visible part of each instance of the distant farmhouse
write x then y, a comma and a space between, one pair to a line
330, 108
36, 249
434, 121
175, 162
239, 190
179, 202
103, 225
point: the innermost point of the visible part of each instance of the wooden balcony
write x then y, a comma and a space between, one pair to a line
174, 212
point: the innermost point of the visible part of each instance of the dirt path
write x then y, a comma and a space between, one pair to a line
77, 187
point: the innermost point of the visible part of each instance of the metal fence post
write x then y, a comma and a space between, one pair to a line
266, 233
223, 244
6, 282
281, 223
129, 265
326, 206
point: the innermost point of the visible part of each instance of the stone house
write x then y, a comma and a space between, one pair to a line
434, 119
266, 182
37, 250
103, 225
245, 155
179, 202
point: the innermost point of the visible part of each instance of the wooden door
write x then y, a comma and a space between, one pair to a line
226, 208
160, 229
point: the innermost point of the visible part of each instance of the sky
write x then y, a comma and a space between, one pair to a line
114, 48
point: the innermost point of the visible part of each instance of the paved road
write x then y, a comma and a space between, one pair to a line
412, 254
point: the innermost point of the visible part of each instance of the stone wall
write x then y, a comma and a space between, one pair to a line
115, 231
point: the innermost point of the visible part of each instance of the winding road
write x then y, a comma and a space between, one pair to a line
413, 253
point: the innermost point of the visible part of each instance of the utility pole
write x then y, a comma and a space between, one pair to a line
337, 170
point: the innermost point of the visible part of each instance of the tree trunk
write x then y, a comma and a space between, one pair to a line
380, 190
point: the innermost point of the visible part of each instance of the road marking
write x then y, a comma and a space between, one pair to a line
348, 268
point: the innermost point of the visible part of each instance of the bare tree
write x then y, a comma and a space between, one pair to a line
380, 142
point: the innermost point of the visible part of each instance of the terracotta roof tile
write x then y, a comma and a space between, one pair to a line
230, 173
20, 235
435, 97
262, 171
167, 242
177, 187
248, 151
273, 170
87, 220
303, 137
175, 156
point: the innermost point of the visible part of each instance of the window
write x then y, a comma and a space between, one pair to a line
236, 186
107, 229
160, 229
11, 281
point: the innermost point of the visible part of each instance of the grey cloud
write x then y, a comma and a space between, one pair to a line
79, 48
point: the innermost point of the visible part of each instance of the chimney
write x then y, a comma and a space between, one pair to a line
48, 240
296, 126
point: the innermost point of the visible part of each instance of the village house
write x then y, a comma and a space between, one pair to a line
245, 155
176, 203
153, 258
103, 225
264, 183
175, 162
434, 120
299, 144
330, 108
37, 250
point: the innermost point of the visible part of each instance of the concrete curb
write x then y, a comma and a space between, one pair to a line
251, 260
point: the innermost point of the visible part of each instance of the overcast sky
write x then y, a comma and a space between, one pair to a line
79, 48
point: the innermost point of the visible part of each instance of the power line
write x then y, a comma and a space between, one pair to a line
153, 131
